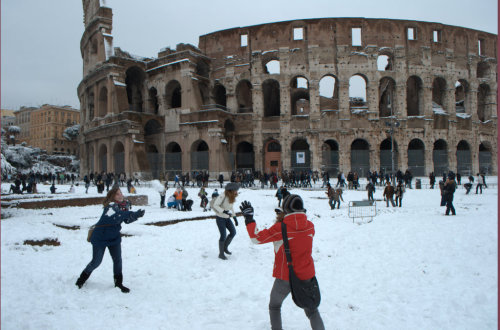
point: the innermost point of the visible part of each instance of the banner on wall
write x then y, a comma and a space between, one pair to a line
301, 157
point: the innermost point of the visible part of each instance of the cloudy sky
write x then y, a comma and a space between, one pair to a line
40, 40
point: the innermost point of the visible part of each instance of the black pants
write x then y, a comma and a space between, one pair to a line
449, 207
399, 201
480, 187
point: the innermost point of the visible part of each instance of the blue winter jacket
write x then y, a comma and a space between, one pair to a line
112, 216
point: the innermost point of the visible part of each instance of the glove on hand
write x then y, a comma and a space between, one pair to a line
140, 213
247, 210
227, 212
235, 221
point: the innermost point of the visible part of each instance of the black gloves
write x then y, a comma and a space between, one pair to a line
140, 213
235, 221
227, 212
247, 210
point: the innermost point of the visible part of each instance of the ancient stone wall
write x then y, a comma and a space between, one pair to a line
279, 96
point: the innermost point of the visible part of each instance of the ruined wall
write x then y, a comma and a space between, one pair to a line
438, 83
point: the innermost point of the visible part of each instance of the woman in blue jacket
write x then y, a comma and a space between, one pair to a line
107, 234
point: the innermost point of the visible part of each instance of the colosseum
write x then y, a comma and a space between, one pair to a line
281, 96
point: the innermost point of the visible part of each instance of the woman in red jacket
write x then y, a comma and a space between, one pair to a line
300, 233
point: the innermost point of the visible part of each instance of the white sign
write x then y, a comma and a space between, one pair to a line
301, 157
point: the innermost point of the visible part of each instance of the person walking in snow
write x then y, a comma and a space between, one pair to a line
400, 189
223, 208
163, 193
300, 232
370, 187
389, 194
204, 199
449, 189
106, 234
479, 184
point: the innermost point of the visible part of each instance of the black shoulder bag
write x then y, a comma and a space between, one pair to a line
306, 293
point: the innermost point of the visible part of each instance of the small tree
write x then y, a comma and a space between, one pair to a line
13, 132
71, 133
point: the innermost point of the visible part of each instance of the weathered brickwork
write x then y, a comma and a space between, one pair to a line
278, 96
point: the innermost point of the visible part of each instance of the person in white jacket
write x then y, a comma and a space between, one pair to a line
223, 207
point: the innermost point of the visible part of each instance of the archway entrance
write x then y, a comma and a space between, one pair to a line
272, 157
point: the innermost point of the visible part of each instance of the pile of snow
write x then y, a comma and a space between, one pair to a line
25, 159
410, 268
438, 109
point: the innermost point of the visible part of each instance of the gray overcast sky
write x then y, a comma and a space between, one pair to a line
40, 39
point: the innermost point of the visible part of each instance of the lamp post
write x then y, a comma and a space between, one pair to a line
392, 124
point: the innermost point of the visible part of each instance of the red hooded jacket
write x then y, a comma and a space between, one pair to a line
300, 233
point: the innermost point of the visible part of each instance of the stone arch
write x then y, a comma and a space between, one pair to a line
440, 157
301, 155
330, 157
328, 93
173, 158
204, 93
387, 91
358, 84
152, 127
219, 95
271, 65
439, 94
103, 158
483, 70
299, 96
464, 158
485, 158
135, 81
173, 94
388, 150
244, 96
245, 157
102, 105
202, 68
416, 157
483, 102
461, 96
153, 100
271, 94
272, 156
154, 160
414, 96
228, 127
91, 105
385, 61
119, 158
360, 157
199, 156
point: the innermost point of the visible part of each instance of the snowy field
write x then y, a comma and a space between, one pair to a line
410, 268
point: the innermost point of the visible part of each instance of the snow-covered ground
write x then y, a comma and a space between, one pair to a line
410, 268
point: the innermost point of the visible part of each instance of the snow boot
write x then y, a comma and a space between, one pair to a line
221, 251
226, 244
82, 279
118, 283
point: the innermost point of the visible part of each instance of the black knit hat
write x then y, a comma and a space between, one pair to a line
292, 204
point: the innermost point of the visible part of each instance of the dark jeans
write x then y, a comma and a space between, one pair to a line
370, 195
279, 292
449, 206
399, 201
390, 200
98, 253
480, 187
222, 224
